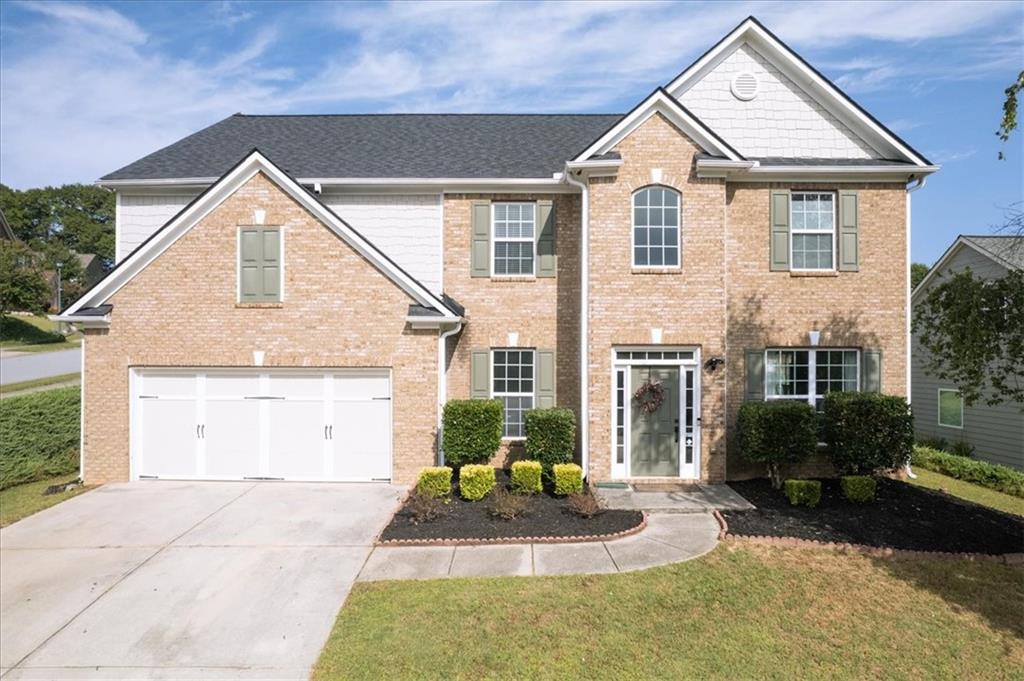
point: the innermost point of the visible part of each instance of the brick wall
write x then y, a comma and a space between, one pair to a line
338, 311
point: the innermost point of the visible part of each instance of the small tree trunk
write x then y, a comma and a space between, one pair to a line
775, 475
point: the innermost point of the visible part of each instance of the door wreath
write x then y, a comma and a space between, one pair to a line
650, 396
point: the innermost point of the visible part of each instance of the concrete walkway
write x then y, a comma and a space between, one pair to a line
700, 499
668, 538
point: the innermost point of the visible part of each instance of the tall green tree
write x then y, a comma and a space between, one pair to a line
22, 285
1009, 122
79, 216
918, 271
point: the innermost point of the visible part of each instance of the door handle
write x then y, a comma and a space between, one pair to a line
203, 431
331, 430
325, 432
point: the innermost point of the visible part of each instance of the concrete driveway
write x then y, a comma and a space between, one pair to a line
183, 580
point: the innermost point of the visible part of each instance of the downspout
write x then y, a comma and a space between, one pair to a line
920, 182
584, 318
442, 384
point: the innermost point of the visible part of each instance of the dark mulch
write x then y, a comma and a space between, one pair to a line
546, 517
901, 517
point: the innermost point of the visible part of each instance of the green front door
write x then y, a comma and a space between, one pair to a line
654, 441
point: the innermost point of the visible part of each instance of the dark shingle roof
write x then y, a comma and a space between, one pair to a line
1007, 248
370, 146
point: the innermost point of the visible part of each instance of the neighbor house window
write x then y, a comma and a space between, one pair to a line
656, 227
259, 264
951, 409
512, 383
514, 231
813, 230
808, 375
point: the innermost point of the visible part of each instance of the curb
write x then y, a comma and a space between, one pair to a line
517, 540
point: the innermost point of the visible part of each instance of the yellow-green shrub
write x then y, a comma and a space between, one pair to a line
435, 481
568, 478
803, 492
525, 477
476, 481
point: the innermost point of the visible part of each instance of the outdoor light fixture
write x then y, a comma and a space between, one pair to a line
712, 363
815, 337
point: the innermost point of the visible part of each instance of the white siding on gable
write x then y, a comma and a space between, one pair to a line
406, 227
139, 215
780, 121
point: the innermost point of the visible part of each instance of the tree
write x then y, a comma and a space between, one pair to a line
1009, 121
22, 286
972, 332
77, 215
918, 271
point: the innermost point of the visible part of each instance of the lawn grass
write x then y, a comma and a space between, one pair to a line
39, 435
739, 612
22, 501
6, 390
965, 490
34, 334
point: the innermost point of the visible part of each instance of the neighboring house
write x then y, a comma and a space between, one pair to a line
995, 432
92, 272
296, 296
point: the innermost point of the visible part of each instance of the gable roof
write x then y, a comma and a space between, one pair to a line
1007, 251
236, 176
379, 146
827, 93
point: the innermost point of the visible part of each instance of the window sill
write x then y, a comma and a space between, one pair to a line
812, 273
656, 270
258, 306
512, 279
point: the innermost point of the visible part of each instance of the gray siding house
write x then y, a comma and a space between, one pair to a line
996, 433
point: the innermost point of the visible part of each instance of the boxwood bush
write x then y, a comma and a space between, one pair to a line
1000, 478
803, 492
472, 430
777, 433
476, 481
435, 481
858, 488
550, 436
868, 432
568, 479
525, 477
39, 436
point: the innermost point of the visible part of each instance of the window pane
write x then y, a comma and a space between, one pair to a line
641, 198
640, 216
656, 236
640, 256
671, 217
640, 236
655, 257
671, 237
671, 257
951, 409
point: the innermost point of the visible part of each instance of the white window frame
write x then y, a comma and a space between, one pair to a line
812, 373
531, 395
938, 408
238, 266
633, 226
794, 232
532, 240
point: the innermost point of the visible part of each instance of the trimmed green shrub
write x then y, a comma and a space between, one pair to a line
803, 492
1000, 478
568, 479
435, 481
472, 430
39, 436
858, 488
525, 477
476, 481
777, 433
868, 432
550, 436
962, 448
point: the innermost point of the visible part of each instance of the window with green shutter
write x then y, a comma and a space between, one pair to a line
259, 264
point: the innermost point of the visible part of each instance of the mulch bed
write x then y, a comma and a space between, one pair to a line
546, 517
901, 517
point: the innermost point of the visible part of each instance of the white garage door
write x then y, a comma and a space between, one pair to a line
278, 424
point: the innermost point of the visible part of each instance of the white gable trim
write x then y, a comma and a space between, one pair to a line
661, 102
801, 73
204, 204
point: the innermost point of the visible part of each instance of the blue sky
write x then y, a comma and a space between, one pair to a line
88, 87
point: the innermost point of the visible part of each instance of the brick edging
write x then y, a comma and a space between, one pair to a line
863, 549
639, 527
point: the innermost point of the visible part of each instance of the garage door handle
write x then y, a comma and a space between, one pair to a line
197, 431
262, 397
331, 431
203, 431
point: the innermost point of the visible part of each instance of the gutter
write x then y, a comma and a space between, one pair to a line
584, 319
920, 182
442, 384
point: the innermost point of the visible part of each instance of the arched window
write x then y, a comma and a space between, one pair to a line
656, 227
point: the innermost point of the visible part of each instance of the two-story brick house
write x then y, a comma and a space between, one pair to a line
296, 296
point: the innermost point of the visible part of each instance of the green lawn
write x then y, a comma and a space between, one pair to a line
739, 612
34, 334
5, 391
970, 492
24, 500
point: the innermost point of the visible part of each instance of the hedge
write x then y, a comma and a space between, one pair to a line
1000, 478
868, 432
472, 430
476, 481
777, 433
858, 488
550, 436
568, 479
435, 481
803, 492
525, 477
39, 435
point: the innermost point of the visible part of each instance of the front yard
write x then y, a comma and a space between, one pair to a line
35, 333
739, 612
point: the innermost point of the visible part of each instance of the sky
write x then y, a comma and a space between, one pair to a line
86, 88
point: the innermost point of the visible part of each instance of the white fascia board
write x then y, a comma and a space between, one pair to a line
827, 94
214, 196
374, 184
85, 321
658, 102
420, 322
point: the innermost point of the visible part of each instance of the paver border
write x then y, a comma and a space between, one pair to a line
572, 539
1016, 559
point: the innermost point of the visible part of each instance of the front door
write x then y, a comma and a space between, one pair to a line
654, 441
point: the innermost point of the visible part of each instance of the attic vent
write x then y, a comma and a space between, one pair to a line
744, 86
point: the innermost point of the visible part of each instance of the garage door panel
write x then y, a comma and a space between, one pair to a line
297, 386
169, 438
362, 437
362, 385
232, 439
232, 384
169, 384
296, 439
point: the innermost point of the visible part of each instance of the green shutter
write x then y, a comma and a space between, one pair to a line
871, 371
779, 240
259, 264
480, 248
754, 372
547, 263
544, 387
480, 379
848, 255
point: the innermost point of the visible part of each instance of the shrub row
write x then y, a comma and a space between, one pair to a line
991, 475
477, 480
39, 436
